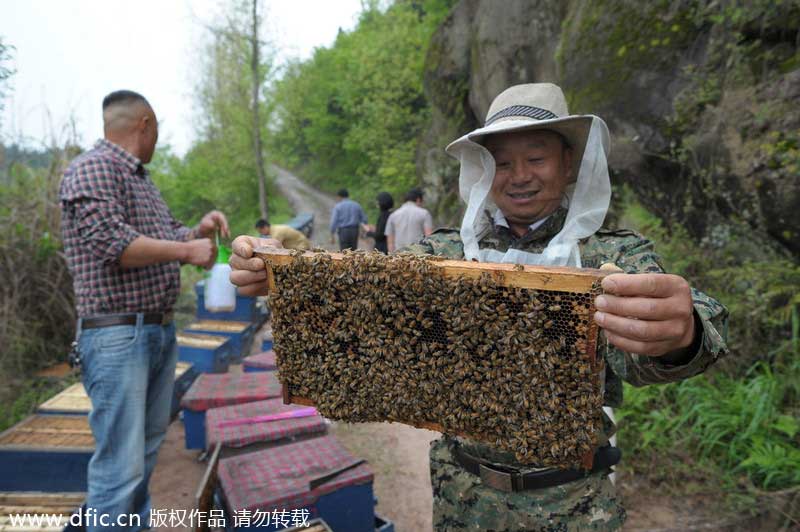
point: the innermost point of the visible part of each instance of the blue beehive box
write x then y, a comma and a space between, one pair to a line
266, 344
240, 334
185, 374
206, 352
54, 505
247, 308
214, 391
46, 453
74, 401
383, 525
282, 478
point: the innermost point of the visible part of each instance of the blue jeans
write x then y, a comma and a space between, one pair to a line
128, 372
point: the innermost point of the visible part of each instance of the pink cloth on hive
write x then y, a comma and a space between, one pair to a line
268, 418
279, 477
212, 390
265, 360
241, 435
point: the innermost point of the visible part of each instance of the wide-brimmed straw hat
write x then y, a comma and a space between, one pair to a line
532, 106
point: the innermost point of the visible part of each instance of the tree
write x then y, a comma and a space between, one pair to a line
231, 92
257, 81
5, 71
352, 115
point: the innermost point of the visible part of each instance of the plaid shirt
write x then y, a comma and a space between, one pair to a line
107, 201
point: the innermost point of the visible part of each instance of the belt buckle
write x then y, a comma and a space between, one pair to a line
499, 480
166, 318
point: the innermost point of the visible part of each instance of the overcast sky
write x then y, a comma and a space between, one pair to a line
71, 53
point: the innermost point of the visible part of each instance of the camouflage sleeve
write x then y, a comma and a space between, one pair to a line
635, 254
442, 242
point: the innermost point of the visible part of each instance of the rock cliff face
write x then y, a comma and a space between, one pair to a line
701, 98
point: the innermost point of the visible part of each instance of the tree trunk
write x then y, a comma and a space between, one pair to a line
254, 64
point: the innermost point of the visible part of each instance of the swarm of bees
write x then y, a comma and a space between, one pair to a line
391, 338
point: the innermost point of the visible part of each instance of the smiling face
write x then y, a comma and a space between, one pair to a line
532, 169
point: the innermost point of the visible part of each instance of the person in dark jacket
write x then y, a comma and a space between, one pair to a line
385, 204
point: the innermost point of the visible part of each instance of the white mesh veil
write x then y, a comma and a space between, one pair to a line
587, 199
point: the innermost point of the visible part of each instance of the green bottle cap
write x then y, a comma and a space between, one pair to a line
223, 254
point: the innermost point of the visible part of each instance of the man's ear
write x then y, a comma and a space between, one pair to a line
566, 154
142, 123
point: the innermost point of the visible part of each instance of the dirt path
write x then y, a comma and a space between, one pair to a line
304, 198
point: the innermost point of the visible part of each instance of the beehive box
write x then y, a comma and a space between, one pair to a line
261, 362
240, 334
317, 475
500, 353
208, 353
46, 453
57, 505
218, 390
314, 525
266, 344
75, 401
71, 401
241, 427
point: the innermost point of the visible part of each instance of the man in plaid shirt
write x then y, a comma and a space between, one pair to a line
124, 250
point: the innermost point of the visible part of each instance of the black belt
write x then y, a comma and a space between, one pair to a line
508, 479
150, 318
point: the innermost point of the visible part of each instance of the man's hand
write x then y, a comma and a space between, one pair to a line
200, 252
648, 313
333, 239
248, 272
209, 224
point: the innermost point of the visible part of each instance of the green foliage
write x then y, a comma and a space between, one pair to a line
30, 394
783, 151
740, 423
36, 301
745, 426
760, 288
210, 176
352, 114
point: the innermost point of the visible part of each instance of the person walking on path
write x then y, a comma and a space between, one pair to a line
410, 223
124, 250
385, 204
346, 220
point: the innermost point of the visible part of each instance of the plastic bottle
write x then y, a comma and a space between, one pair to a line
220, 293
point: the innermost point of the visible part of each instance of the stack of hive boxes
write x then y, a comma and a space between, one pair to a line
217, 339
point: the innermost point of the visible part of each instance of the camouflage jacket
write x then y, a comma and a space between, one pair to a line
633, 253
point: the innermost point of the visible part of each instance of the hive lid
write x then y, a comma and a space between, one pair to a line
265, 360
72, 399
218, 326
241, 435
45, 432
54, 504
181, 368
203, 341
212, 390
75, 400
280, 477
